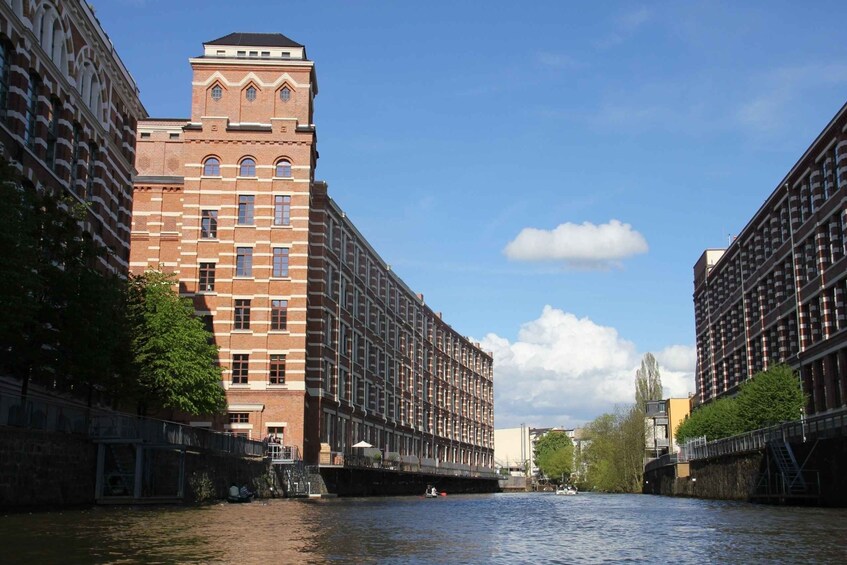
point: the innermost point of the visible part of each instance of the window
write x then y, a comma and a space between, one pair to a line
209, 224
266, 53
75, 155
52, 131
277, 369
245, 209
285, 94
242, 314
207, 277
283, 169
212, 167
173, 136
145, 135
4, 75
89, 182
279, 315
240, 363
247, 168
217, 92
280, 265
250, 93
239, 417
244, 262
282, 210
241, 53
31, 101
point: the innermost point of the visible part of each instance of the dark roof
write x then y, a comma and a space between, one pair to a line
255, 40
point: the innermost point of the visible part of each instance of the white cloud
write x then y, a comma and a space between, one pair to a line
579, 245
564, 370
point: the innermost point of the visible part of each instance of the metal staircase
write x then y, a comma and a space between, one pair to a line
790, 472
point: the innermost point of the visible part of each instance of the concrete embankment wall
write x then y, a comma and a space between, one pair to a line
383, 482
40, 469
735, 477
45, 469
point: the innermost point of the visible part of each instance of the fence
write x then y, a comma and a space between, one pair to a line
127, 428
819, 426
38, 413
415, 465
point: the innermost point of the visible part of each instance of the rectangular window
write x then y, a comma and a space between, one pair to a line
239, 417
277, 369
242, 314
31, 105
173, 136
279, 315
244, 262
89, 181
75, 155
241, 53
282, 210
52, 131
209, 224
207, 277
145, 135
4, 77
245, 209
240, 362
280, 266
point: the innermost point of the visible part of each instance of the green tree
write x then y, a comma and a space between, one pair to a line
769, 398
172, 355
61, 313
554, 454
648, 381
614, 459
715, 420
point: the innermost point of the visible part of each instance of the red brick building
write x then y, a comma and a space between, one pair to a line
321, 342
777, 293
68, 113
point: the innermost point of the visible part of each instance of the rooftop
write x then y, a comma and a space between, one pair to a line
255, 40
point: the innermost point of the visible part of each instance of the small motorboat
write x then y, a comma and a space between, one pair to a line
567, 490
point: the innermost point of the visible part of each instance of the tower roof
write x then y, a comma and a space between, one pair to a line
255, 40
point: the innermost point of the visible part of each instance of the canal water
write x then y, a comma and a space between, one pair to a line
499, 528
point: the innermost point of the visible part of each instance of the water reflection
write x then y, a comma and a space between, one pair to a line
508, 528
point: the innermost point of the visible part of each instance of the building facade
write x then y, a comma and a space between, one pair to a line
321, 342
777, 293
662, 418
68, 114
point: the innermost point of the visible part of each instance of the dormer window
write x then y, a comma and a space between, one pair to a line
251, 93
217, 92
285, 94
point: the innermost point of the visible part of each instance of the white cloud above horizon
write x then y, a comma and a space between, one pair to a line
565, 371
585, 246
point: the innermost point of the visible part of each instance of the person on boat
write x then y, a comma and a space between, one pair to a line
244, 492
434, 491
233, 491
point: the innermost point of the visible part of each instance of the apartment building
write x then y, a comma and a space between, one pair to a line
321, 342
777, 293
68, 114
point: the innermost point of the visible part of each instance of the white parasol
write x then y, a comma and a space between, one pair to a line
363, 444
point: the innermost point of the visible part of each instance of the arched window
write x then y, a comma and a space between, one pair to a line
250, 93
247, 168
217, 92
285, 94
212, 167
283, 169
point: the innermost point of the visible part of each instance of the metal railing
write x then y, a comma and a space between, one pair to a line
663, 461
283, 453
819, 426
414, 465
43, 414
127, 428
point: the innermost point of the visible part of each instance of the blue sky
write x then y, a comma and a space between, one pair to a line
546, 174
